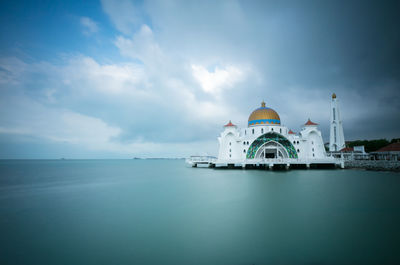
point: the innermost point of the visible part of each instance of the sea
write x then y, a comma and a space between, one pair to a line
83, 212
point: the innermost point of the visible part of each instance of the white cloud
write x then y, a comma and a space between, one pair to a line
214, 81
127, 78
31, 118
124, 93
123, 14
11, 69
54, 125
142, 46
89, 26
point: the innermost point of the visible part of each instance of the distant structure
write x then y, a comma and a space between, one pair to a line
336, 142
389, 152
352, 153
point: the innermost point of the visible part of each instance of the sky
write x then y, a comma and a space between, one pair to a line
123, 79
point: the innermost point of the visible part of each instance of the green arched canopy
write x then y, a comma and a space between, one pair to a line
265, 138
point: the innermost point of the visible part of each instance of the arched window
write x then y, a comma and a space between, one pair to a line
312, 142
313, 155
230, 155
294, 142
262, 130
298, 151
244, 132
252, 130
230, 150
244, 143
272, 129
244, 150
313, 149
280, 130
230, 143
247, 142
297, 142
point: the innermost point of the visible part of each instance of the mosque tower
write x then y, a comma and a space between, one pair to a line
336, 142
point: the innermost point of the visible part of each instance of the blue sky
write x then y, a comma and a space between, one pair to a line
117, 79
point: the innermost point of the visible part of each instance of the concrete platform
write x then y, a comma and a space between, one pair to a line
212, 162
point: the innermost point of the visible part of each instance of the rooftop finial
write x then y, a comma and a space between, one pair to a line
263, 104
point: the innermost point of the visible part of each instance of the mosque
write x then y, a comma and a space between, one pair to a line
266, 142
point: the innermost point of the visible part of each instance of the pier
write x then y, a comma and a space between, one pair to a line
271, 164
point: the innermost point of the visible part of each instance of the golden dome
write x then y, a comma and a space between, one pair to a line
263, 115
333, 95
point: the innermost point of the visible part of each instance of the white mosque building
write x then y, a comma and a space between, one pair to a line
266, 142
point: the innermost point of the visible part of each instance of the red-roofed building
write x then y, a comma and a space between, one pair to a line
393, 147
389, 152
291, 132
347, 149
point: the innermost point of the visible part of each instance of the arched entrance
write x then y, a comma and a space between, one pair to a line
271, 140
271, 149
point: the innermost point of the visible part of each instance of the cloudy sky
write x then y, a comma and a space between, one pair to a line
118, 79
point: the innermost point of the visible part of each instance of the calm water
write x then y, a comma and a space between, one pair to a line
163, 212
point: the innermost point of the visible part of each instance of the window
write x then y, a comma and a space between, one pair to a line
280, 130
262, 130
244, 143
297, 142
244, 132
334, 117
334, 132
230, 143
252, 130
313, 149
247, 142
272, 129
294, 142
244, 150
313, 155
298, 151
230, 150
230, 155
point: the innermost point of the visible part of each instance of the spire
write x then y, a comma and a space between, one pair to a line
230, 124
336, 139
310, 123
263, 104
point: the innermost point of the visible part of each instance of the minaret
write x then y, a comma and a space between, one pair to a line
336, 142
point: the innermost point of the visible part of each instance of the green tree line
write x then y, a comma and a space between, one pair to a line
372, 145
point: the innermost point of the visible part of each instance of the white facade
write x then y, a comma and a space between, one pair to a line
266, 138
336, 140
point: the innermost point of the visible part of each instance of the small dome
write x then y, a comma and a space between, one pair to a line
310, 123
230, 124
264, 116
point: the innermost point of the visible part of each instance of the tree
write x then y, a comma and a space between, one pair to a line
370, 145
